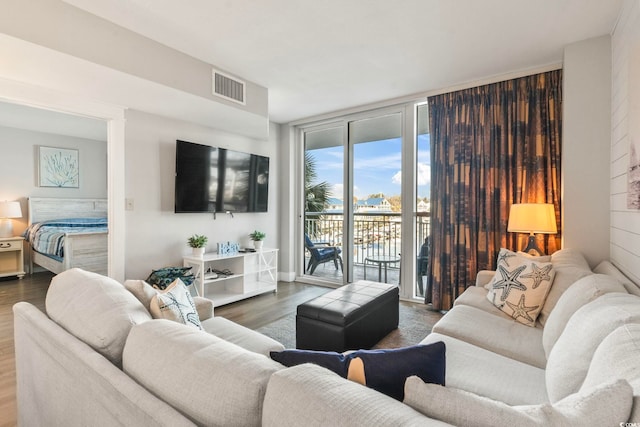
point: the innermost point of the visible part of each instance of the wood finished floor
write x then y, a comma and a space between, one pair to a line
252, 313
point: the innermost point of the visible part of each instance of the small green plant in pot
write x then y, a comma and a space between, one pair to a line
198, 243
257, 237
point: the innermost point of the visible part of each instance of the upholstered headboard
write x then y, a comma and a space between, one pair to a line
47, 208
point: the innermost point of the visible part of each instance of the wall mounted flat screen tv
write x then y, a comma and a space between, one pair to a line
210, 179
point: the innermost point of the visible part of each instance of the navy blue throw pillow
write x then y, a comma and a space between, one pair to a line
384, 370
331, 360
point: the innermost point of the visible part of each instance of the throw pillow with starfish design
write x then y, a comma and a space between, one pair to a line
520, 286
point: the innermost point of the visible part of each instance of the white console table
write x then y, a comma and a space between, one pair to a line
251, 273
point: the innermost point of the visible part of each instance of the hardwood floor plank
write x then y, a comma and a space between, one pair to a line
33, 288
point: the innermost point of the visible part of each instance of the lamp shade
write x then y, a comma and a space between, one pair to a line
532, 218
10, 210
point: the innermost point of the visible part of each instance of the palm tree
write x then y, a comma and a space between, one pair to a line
316, 195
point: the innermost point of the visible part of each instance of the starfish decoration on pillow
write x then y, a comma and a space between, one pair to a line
504, 256
521, 310
538, 274
509, 281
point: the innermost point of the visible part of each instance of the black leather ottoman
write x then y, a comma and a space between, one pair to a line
352, 317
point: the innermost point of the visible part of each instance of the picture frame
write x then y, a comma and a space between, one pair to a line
58, 167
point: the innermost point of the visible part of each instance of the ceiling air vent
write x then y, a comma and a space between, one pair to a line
228, 88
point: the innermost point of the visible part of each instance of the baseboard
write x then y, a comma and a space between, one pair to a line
289, 276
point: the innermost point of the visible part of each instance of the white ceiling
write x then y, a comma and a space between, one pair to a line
322, 56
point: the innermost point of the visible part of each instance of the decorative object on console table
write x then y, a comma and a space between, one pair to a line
8, 210
228, 248
532, 218
197, 243
12, 257
58, 167
257, 237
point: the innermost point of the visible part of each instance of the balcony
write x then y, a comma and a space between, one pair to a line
376, 234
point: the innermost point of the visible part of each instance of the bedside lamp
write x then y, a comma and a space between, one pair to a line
532, 218
8, 210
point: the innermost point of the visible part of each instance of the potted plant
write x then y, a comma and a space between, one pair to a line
257, 237
198, 243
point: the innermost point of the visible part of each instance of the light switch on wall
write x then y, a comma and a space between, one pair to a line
128, 204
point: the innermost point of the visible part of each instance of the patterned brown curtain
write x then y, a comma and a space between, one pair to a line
491, 146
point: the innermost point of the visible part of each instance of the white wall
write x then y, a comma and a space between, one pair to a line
585, 150
287, 215
625, 223
19, 150
155, 235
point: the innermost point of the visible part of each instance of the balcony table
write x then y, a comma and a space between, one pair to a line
380, 260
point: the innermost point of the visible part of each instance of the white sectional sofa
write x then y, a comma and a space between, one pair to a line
96, 358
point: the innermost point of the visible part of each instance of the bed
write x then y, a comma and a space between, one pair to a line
81, 241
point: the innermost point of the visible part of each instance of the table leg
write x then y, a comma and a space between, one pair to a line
385, 273
380, 272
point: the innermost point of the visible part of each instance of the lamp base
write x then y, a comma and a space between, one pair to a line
532, 247
6, 227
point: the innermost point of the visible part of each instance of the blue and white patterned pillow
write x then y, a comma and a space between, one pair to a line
175, 303
163, 277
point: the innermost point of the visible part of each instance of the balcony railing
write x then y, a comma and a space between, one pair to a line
374, 233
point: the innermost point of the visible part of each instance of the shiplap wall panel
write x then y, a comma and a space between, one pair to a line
625, 223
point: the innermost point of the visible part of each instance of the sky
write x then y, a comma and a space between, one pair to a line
377, 167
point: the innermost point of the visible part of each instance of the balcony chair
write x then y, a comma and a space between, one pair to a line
321, 252
421, 265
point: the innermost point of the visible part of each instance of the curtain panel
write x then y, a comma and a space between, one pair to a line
491, 146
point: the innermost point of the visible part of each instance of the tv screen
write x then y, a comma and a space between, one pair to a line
210, 179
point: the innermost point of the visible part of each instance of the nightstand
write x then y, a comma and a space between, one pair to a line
12, 257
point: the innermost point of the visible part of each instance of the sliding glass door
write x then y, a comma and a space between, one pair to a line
365, 199
323, 225
422, 211
375, 232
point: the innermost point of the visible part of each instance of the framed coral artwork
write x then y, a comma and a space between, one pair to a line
58, 167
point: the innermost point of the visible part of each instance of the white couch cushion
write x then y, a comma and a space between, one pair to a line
141, 290
571, 356
605, 267
501, 335
604, 405
309, 395
580, 293
618, 356
490, 374
241, 336
210, 380
569, 257
569, 265
96, 309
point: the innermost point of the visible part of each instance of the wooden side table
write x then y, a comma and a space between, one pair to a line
12, 257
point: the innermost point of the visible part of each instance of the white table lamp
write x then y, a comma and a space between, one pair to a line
8, 210
532, 218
